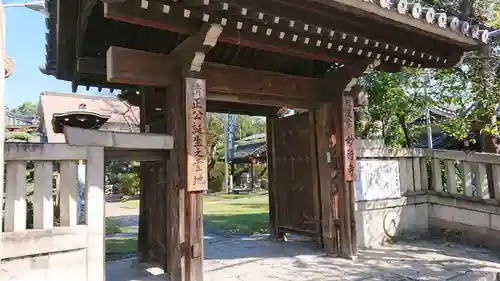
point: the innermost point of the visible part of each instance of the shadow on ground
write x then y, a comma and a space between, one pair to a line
417, 260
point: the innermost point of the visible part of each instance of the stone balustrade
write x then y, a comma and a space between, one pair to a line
455, 194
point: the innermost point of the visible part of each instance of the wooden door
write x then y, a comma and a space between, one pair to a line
295, 175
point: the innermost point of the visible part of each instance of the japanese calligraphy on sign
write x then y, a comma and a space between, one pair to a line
196, 100
349, 138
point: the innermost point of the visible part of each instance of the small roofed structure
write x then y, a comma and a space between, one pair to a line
16, 122
78, 118
249, 150
84, 111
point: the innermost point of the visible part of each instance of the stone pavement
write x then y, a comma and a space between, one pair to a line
127, 218
258, 259
248, 259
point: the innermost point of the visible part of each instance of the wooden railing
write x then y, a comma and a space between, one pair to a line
445, 172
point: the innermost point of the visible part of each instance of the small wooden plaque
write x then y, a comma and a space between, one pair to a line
196, 103
349, 138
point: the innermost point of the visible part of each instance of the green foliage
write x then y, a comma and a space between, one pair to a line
115, 169
29, 213
260, 170
475, 10
244, 214
27, 108
217, 171
495, 21
247, 126
392, 106
17, 136
215, 138
471, 89
119, 246
216, 177
216, 184
130, 184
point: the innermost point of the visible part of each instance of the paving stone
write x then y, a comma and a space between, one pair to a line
477, 276
259, 259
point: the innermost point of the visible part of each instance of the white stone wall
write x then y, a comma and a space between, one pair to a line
381, 221
472, 222
61, 266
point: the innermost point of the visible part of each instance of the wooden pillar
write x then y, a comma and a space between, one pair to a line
315, 177
185, 204
270, 176
336, 190
336, 161
197, 174
153, 216
175, 179
185, 170
328, 169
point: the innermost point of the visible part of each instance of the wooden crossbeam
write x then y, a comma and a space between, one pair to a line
224, 82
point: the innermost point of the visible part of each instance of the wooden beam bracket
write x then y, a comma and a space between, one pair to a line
189, 56
191, 52
345, 79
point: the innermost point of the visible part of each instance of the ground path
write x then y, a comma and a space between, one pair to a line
258, 258
125, 217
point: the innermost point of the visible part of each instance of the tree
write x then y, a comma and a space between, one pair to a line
392, 105
215, 138
27, 108
247, 126
472, 88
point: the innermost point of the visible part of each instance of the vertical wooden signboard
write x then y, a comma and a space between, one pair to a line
196, 101
349, 138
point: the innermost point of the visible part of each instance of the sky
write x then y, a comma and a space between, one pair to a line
25, 43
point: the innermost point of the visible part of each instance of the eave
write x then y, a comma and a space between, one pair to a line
326, 33
460, 32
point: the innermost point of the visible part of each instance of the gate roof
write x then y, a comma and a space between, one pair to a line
297, 37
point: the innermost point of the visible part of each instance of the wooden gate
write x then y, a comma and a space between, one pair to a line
295, 193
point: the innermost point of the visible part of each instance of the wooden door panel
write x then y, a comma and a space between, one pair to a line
295, 175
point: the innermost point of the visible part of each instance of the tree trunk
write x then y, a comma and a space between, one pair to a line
404, 126
362, 118
489, 142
